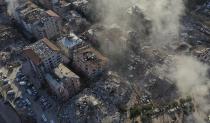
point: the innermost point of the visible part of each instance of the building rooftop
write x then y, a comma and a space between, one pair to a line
62, 3
7, 33
80, 3
70, 41
200, 50
29, 11
32, 55
91, 57
40, 50
32, 13
51, 13
63, 72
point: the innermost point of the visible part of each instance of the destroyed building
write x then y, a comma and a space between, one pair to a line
37, 21
138, 21
202, 53
81, 6
75, 22
116, 90
87, 107
61, 7
8, 35
3, 6
89, 61
110, 39
46, 3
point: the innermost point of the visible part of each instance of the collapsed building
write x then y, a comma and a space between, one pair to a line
75, 22
8, 35
113, 88
37, 21
202, 53
46, 3
43, 56
89, 61
87, 107
3, 6
111, 40
138, 21
67, 10
61, 7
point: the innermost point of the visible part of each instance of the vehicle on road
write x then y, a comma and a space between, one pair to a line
22, 83
29, 91
44, 118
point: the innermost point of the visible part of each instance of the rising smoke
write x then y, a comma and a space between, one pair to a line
11, 5
165, 16
190, 76
187, 72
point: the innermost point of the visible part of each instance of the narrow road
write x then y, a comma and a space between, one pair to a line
7, 114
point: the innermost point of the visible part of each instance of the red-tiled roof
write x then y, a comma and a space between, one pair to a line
51, 13
50, 45
32, 56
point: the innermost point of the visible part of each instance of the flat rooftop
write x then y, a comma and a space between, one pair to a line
62, 71
91, 57
40, 50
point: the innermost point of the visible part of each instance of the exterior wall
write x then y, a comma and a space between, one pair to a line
26, 26
45, 3
50, 28
76, 82
52, 61
38, 31
88, 70
61, 10
38, 73
72, 85
57, 87
53, 27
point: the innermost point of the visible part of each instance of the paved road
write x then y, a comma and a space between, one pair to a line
7, 114
50, 113
2, 119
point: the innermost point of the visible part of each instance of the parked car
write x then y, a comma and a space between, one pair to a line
22, 83
29, 91
44, 118
28, 101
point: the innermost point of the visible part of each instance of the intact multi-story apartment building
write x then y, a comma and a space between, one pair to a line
69, 78
37, 21
69, 43
44, 56
63, 82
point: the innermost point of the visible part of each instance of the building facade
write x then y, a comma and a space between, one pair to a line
43, 56
69, 79
57, 87
89, 61
63, 82
69, 43
37, 21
